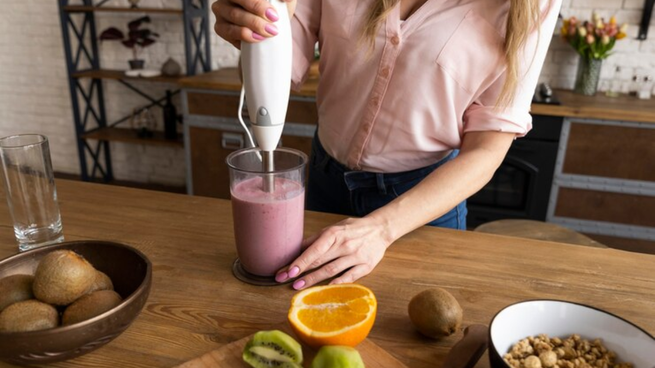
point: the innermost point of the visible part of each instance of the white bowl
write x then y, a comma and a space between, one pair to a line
562, 319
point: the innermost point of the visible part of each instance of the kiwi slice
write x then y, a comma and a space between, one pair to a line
337, 357
273, 349
15, 288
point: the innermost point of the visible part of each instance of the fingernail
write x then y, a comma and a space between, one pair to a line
272, 29
271, 14
282, 276
294, 271
298, 284
257, 36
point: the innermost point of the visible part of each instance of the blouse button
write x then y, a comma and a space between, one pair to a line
395, 40
385, 72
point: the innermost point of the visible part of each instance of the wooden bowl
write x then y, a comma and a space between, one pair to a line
562, 319
130, 272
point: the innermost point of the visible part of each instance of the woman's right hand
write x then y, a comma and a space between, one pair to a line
246, 20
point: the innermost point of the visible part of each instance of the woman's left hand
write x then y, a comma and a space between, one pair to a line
355, 245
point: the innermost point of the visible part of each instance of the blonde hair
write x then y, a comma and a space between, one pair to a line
524, 16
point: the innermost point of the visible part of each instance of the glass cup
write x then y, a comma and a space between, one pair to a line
30, 190
268, 219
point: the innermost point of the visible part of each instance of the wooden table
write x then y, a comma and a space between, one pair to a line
196, 305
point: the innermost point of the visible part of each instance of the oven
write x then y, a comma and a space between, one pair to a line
520, 188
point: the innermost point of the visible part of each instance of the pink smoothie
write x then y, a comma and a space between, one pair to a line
268, 227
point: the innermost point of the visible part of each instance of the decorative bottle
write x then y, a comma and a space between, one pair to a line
170, 118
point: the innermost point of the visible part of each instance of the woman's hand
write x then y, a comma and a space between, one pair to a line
246, 20
353, 245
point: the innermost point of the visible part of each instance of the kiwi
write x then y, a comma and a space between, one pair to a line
337, 357
15, 288
62, 276
435, 313
273, 349
28, 315
90, 305
101, 282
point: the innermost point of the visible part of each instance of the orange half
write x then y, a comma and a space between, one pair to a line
333, 314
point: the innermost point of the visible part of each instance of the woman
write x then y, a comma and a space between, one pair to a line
419, 101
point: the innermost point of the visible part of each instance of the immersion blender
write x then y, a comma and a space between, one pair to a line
266, 67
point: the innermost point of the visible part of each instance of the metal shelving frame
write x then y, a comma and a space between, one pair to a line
80, 41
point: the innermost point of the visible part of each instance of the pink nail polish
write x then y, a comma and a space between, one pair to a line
272, 29
294, 271
298, 284
257, 36
282, 276
271, 14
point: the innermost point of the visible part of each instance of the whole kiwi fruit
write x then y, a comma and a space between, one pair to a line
101, 282
90, 305
273, 349
15, 288
61, 277
28, 315
435, 313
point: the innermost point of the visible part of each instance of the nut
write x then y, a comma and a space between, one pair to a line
548, 359
542, 351
532, 362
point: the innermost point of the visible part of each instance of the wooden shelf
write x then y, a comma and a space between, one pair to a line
130, 136
88, 9
120, 74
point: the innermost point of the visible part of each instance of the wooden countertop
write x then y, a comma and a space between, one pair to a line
625, 108
628, 108
227, 79
196, 305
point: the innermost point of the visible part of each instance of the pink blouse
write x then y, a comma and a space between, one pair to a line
429, 80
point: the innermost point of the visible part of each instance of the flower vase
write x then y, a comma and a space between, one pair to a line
586, 82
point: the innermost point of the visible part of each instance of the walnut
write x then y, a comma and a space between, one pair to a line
542, 351
532, 362
548, 359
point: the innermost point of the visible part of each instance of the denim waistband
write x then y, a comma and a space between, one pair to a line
366, 179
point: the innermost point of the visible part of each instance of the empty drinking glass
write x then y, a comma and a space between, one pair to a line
30, 190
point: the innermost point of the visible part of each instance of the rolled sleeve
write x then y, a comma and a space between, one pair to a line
304, 28
482, 114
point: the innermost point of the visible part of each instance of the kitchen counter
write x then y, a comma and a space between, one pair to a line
196, 305
227, 79
624, 108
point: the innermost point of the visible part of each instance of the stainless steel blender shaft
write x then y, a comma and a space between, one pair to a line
269, 167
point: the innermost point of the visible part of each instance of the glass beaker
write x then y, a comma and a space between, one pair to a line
268, 225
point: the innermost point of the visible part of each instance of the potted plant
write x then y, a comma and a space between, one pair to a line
593, 40
136, 39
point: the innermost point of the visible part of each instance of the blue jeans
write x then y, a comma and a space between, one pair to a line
334, 188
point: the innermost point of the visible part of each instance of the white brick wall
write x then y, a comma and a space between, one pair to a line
34, 93
630, 55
